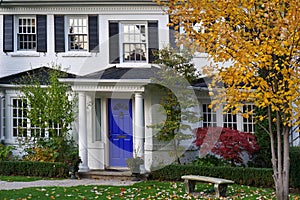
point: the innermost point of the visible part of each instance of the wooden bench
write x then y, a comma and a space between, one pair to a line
220, 185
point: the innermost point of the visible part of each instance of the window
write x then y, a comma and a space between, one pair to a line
230, 120
134, 42
26, 33
209, 116
19, 112
2, 115
98, 118
21, 124
78, 33
248, 123
53, 129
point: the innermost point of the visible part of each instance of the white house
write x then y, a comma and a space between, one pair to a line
106, 47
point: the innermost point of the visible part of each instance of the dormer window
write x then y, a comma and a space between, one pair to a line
26, 35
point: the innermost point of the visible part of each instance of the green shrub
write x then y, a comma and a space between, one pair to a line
258, 177
6, 152
210, 161
55, 149
40, 169
295, 167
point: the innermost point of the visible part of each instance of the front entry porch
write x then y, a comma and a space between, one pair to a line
113, 133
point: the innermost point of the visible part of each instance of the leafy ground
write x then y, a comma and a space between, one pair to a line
144, 190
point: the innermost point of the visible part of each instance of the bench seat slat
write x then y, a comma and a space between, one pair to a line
207, 179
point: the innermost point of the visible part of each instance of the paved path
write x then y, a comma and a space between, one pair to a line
4, 185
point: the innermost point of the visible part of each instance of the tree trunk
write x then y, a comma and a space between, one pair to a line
280, 161
279, 175
286, 162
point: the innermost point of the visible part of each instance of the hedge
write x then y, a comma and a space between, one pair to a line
27, 168
258, 177
295, 167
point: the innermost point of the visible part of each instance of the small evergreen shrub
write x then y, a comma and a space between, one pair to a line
27, 168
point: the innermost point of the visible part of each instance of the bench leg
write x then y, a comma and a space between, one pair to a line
189, 186
220, 190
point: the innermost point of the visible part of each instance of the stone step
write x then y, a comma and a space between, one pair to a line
107, 174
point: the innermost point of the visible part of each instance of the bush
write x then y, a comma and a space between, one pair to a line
210, 161
6, 152
40, 169
225, 142
295, 167
257, 177
55, 149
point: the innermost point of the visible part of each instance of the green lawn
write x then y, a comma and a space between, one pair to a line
142, 190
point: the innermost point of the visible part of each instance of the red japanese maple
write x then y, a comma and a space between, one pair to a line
225, 142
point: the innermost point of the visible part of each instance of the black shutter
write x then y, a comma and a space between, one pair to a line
59, 33
41, 33
114, 49
152, 39
8, 33
93, 34
172, 38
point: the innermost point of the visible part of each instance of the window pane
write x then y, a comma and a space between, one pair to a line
248, 123
209, 116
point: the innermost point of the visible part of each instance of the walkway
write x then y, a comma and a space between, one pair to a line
4, 185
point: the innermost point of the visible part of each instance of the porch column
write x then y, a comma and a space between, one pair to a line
139, 127
82, 129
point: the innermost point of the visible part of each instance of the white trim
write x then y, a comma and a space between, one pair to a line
108, 88
110, 9
29, 53
88, 81
75, 53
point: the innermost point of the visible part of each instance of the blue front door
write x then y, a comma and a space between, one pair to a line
120, 131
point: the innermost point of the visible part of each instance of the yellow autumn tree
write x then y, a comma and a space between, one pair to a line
260, 38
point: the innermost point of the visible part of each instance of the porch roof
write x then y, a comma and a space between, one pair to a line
42, 74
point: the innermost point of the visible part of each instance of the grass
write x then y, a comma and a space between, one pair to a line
23, 178
142, 190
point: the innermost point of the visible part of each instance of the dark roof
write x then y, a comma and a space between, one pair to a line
123, 73
41, 73
201, 83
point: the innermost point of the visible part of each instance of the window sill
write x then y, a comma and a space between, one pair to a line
137, 65
76, 54
25, 54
